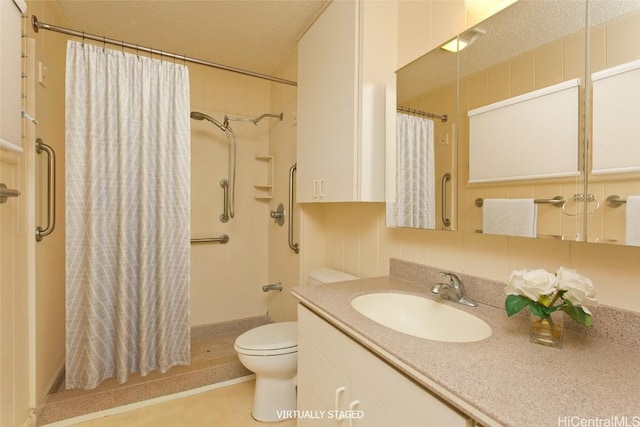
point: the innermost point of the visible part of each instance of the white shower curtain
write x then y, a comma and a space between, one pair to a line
415, 174
127, 215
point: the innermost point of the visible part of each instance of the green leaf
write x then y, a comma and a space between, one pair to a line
542, 310
577, 313
514, 303
539, 310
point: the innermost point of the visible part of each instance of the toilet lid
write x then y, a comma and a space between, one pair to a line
266, 338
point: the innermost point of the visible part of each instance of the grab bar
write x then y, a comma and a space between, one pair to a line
225, 212
51, 190
224, 239
615, 201
292, 170
7, 192
445, 178
557, 201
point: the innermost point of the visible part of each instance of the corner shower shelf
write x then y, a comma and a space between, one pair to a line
265, 191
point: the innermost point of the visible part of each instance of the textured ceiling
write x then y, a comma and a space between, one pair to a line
521, 27
256, 35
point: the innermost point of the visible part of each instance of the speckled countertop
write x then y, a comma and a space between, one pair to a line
504, 379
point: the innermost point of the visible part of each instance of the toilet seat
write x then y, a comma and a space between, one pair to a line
269, 340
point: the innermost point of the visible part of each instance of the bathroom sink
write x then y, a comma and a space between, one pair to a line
421, 317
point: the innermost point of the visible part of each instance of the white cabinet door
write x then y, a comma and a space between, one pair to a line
344, 61
327, 398
14, 298
327, 109
322, 389
385, 396
365, 411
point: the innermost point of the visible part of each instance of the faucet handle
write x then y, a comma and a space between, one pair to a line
454, 279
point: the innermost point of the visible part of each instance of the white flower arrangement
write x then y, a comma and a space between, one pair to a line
544, 293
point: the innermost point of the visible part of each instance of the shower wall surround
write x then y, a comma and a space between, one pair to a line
227, 279
284, 264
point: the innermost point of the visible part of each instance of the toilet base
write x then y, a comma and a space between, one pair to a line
272, 398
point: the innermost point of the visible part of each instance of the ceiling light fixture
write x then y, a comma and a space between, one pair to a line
465, 39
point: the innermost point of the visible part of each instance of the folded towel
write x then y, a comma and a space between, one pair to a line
633, 221
511, 217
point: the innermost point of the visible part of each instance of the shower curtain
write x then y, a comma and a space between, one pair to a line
127, 215
415, 174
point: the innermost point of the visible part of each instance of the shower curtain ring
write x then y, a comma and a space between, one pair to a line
104, 43
83, 39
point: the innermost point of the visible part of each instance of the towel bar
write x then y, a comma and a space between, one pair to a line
557, 201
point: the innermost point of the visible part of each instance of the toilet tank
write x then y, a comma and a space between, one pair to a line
326, 275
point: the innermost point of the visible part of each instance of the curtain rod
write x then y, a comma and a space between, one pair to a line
402, 109
37, 25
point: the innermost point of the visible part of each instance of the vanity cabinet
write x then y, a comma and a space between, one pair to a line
338, 377
344, 61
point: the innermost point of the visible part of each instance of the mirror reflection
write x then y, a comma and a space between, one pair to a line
614, 172
423, 176
520, 133
518, 99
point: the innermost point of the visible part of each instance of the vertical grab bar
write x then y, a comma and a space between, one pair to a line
224, 217
445, 178
294, 246
51, 190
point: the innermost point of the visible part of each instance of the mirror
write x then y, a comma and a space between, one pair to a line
530, 50
614, 94
520, 130
423, 174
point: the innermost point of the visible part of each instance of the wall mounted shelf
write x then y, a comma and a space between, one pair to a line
264, 191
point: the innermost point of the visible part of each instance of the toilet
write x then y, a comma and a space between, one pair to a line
271, 352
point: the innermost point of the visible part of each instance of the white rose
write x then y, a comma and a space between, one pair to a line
579, 288
531, 283
515, 282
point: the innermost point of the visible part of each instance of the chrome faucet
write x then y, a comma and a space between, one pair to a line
453, 291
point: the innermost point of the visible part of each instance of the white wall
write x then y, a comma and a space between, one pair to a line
357, 240
283, 262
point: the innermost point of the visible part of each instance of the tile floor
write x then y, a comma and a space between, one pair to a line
224, 407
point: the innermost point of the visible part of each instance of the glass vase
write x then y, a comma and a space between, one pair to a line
547, 330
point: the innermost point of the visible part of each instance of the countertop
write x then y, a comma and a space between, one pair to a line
504, 379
